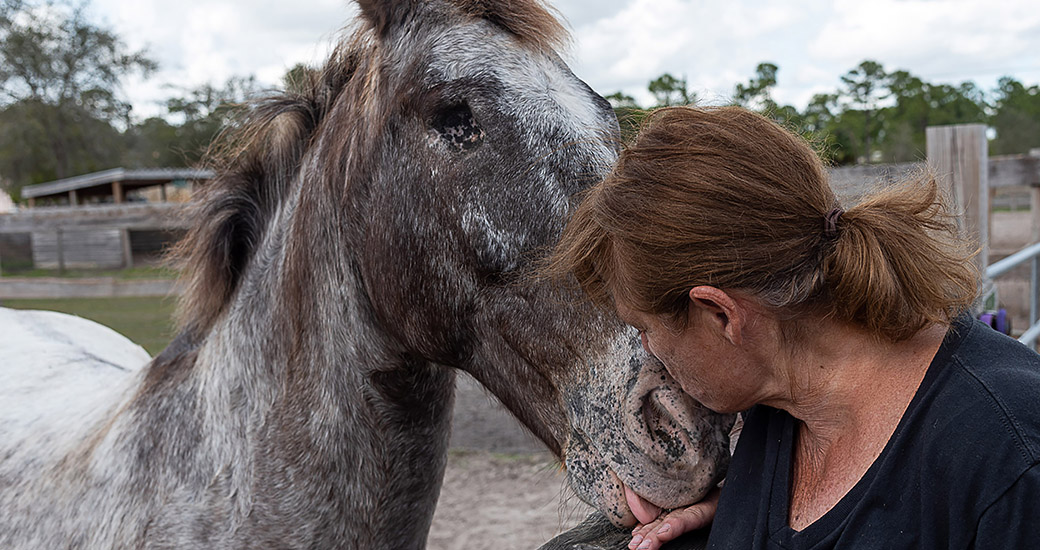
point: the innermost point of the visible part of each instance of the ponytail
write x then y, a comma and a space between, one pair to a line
897, 264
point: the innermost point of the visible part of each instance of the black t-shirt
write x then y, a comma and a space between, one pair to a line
960, 471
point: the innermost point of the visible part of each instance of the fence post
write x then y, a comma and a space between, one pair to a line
128, 253
1034, 205
958, 155
61, 252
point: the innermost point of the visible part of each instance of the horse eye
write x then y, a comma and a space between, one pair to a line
458, 128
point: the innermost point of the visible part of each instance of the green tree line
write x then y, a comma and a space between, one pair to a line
874, 115
62, 112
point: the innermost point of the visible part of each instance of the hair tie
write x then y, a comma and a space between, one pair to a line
830, 222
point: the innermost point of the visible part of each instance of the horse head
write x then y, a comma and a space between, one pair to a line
383, 219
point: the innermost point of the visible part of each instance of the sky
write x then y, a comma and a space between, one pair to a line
617, 45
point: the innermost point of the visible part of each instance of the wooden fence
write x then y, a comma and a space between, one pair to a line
105, 237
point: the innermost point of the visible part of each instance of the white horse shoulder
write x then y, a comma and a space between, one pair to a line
56, 364
49, 338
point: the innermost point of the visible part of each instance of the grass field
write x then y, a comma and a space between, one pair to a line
145, 321
137, 272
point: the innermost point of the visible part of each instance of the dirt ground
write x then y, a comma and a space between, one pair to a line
1009, 233
507, 502
502, 489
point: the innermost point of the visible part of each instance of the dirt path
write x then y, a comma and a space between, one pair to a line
507, 502
502, 489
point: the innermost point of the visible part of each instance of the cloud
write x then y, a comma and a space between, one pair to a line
711, 43
619, 44
198, 42
953, 40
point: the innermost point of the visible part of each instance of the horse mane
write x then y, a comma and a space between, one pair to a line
255, 159
258, 155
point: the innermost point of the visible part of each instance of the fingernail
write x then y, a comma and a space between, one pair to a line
645, 545
635, 541
664, 529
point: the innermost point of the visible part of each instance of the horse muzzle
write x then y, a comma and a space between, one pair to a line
639, 443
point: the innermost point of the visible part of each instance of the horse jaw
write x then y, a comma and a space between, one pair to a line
652, 438
610, 411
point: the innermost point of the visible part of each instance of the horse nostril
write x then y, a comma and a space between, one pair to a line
662, 417
656, 418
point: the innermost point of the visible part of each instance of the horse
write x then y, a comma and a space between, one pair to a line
369, 232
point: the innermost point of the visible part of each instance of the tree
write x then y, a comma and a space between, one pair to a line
757, 94
669, 91
819, 114
300, 78
906, 121
865, 87
1016, 117
204, 111
628, 112
29, 147
155, 143
59, 90
619, 100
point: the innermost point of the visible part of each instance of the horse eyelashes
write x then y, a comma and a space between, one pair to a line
458, 128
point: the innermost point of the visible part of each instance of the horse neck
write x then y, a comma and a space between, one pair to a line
313, 396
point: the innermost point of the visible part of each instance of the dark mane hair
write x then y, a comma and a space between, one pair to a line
257, 157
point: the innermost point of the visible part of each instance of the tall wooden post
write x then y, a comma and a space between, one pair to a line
128, 253
958, 155
1034, 205
61, 251
117, 192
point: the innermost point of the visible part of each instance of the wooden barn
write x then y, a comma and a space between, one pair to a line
106, 220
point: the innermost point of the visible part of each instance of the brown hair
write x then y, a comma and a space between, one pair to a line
727, 198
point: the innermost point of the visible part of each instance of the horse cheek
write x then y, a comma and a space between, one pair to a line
413, 299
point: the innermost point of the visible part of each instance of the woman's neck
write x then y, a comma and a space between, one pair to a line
849, 390
844, 378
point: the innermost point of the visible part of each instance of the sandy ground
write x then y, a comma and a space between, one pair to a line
1009, 233
502, 489
507, 502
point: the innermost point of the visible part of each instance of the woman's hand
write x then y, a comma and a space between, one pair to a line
669, 526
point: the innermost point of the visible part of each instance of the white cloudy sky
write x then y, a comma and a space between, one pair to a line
620, 44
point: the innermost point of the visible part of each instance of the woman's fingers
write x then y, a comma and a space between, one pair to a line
652, 535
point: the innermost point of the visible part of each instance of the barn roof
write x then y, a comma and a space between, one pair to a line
130, 179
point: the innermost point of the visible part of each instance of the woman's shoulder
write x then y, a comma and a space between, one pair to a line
1004, 375
982, 410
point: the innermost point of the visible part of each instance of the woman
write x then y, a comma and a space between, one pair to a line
878, 413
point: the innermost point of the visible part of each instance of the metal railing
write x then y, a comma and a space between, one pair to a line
1031, 252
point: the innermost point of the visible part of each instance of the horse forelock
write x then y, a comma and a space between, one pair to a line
531, 21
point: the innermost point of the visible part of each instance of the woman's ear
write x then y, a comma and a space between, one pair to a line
727, 315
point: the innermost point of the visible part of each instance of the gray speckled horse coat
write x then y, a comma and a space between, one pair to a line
368, 233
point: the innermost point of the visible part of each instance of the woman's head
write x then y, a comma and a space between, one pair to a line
727, 198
